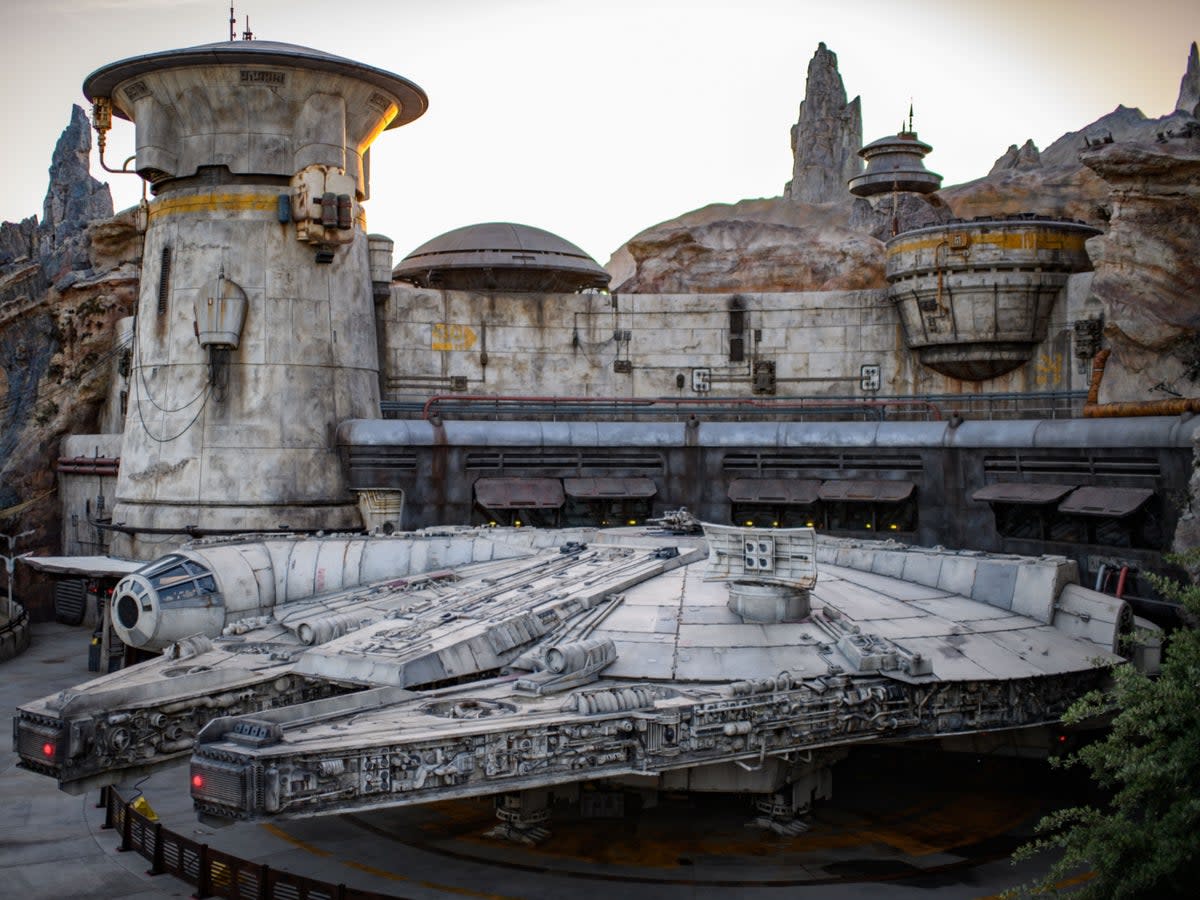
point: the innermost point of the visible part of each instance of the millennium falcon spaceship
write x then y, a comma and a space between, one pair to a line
327, 675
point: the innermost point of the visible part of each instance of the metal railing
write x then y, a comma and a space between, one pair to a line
1011, 405
214, 873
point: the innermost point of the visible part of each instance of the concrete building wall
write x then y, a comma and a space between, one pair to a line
87, 484
253, 447
639, 345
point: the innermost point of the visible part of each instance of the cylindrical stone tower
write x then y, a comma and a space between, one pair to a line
255, 327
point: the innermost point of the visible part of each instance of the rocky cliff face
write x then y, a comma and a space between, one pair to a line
1067, 192
732, 247
731, 255
827, 137
64, 282
1147, 266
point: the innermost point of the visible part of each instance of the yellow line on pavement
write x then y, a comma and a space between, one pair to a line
294, 841
372, 870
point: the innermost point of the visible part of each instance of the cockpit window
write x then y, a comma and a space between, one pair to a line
177, 578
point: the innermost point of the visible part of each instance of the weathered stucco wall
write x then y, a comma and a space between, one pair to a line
626, 345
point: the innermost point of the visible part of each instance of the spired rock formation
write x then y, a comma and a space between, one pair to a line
1147, 266
73, 199
64, 283
1189, 86
803, 241
1018, 159
828, 136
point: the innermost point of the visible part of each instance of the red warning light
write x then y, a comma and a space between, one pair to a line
197, 781
1062, 738
47, 749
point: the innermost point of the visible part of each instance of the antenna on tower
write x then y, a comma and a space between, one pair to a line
910, 111
247, 35
232, 24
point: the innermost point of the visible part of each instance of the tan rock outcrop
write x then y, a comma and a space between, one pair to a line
1021, 159
1147, 267
1067, 192
737, 255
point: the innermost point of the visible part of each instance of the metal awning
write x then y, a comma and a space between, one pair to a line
777, 491
610, 488
1105, 501
92, 566
519, 493
866, 490
1018, 492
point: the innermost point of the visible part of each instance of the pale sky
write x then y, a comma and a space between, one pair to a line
595, 120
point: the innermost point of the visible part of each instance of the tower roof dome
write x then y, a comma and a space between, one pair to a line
501, 256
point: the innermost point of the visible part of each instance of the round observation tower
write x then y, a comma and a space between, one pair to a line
501, 256
895, 163
255, 326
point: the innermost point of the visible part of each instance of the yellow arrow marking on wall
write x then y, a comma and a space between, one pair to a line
446, 336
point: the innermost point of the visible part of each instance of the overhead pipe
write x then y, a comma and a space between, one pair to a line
88, 465
1093, 409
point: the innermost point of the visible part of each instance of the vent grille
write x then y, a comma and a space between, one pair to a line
574, 461
1081, 464
223, 782
164, 280
32, 737
382, 458
70, 600
774, 462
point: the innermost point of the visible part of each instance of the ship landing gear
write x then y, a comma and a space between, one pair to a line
784, 811
522, 816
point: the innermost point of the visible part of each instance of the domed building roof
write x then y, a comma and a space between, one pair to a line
102, 82
501, 256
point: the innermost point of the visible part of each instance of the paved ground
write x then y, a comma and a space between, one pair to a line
51, 844
902, 824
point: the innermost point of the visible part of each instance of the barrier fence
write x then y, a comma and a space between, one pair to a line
214, 873
15, 632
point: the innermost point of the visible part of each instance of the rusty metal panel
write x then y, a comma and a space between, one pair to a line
866, 490
1016, 492
609, 488
519, 493
786, 491
1105, 501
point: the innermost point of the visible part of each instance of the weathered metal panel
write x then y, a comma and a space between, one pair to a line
865, 490
520, 493
786, 491
1105, 501
609, 488
1021, 492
